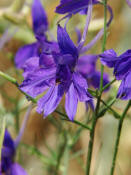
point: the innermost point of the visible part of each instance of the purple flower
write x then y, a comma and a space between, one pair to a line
40, 27
73, 6
8, 166
59, 77
122, 70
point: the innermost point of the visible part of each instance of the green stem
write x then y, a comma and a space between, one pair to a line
108, 85
108, 106
74, 121
14, 81
66, 160
120, 124
91, 141
9, 78
95, 116
60, 154
104, 42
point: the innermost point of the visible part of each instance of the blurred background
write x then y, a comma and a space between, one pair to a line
44, 138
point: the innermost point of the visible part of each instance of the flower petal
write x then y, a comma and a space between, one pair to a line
71, 102
16, 169
72, 6
51, 99
65, 59
46, 61
8, 141
81, 86
25, 53
79, 79
90, 103
109, 58
38, 81
123, 65
66, 45
40, 21
86, 64
94, 80
124, 91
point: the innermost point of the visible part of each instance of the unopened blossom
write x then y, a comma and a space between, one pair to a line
122, 70
8, 164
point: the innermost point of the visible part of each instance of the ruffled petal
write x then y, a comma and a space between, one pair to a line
51, 99
71, 102
40, 21
25, 53
66, 45
16, 169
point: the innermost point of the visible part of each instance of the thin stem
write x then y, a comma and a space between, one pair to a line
14, 81
108, 85
95, 116
66, 160
17, 141
108, 106
104, 42
112, 110
9, 78
91, 141
119, 130
60, 154
74, 121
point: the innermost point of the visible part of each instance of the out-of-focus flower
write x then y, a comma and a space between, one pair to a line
122, 70
129, 3
73, 6
87, 67
8, 166
59, 76
40, 27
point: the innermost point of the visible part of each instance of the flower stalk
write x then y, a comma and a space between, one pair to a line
119, 130
95, 115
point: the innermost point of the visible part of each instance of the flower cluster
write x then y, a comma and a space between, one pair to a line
57, 67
